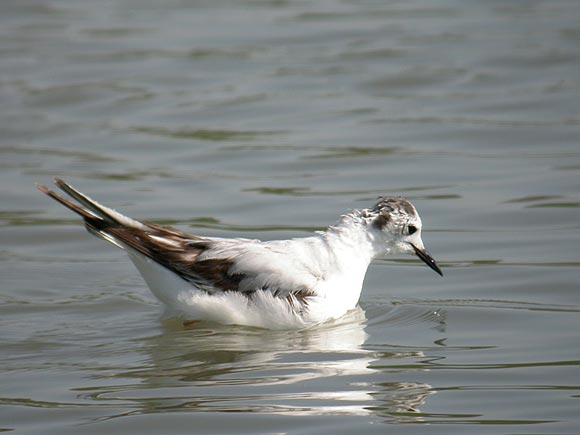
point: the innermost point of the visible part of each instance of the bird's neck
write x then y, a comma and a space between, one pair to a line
354, 237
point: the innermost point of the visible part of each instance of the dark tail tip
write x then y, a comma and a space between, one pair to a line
43, 188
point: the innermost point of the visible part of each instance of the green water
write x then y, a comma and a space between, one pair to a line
268, 119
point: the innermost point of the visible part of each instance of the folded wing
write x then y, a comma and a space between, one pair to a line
210, 264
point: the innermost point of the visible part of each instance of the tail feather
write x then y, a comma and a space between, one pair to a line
85, 214
164, 245
107, 214
85, 201
98, 218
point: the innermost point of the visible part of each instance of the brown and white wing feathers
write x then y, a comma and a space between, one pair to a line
210, 264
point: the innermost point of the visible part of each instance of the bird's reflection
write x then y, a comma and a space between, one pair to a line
216, 368
207, 351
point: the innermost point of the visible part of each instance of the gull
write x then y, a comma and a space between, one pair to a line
279, 284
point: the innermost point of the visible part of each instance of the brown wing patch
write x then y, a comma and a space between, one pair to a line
299, 299
168, 231
176, 250
180, 252
182, 256
216, 271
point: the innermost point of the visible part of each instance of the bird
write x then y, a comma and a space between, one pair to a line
277, 284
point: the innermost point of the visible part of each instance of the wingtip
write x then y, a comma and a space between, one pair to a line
59, 181
42, 188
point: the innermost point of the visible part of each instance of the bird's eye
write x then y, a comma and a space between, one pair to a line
411, 229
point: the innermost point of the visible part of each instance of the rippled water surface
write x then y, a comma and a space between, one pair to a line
267, 119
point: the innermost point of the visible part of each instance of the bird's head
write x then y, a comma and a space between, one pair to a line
398, 225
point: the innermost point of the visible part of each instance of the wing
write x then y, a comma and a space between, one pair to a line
211, 264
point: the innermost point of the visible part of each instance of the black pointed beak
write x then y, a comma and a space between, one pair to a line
427, 259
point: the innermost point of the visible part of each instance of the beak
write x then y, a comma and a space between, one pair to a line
427, 259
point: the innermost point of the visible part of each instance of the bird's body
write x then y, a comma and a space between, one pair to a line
274, 284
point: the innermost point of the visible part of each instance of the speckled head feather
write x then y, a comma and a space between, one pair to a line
395, 205
391, 208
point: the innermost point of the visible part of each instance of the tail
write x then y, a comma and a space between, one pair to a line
97, 217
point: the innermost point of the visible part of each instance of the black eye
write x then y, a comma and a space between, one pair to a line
412, 229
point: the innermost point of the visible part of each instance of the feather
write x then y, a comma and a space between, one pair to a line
282, 283
210, 264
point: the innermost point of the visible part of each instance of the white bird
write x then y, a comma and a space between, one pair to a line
274, 284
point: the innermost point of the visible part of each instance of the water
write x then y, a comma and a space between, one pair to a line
267, 120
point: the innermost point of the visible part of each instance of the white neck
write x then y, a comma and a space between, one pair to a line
342, 254
354, 234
